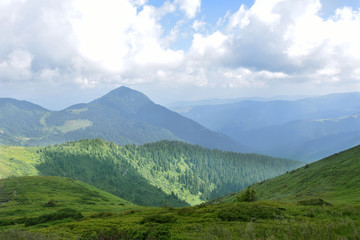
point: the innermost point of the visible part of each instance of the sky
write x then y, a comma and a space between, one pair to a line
59, 53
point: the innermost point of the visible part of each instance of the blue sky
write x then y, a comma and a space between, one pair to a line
58, 53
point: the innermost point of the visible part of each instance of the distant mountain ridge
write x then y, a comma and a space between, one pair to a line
307, 129
122, 116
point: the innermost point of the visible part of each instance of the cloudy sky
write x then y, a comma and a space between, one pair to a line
58, 53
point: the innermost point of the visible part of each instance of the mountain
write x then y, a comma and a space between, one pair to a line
307, 140
335, 179
175, 172
306, 130
122, 116
20, 121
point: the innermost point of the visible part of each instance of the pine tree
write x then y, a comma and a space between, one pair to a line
248, 196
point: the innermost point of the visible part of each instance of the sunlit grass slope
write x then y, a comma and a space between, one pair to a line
18, 161
32, 196
335, 179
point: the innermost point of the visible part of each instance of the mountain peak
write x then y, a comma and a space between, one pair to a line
124, 99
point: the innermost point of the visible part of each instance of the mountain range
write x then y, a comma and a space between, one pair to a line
123, 116
307, 129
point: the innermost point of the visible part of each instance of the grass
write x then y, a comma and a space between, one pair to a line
260, 220
30, 197
73, 125
334, 179
318, 201
18, 161
62, 208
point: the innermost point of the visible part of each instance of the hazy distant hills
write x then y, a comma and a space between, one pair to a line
306, 129
20, 120
122, 116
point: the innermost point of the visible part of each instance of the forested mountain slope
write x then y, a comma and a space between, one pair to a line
20, 121
152, 173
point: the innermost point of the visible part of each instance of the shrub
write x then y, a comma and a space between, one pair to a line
6, 222
159, 218
314, 202
50, 203
59, 215
102, 215
248, 212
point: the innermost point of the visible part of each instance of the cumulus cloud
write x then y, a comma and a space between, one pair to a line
16, 66
198, 25
213, 43
190, 7
289, 37
91, 44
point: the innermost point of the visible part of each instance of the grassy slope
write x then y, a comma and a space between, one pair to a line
259, 220
334, 179
26, 197
256, 220
18, 161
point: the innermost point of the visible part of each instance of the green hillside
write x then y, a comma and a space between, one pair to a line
61, 208
335, 179
317, 201
149, 174
18, 161
36, 195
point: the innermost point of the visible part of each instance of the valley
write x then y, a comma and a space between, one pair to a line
180, 120
63, 208
123, 167
175, 172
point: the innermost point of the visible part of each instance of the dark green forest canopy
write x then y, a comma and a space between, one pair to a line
171, 172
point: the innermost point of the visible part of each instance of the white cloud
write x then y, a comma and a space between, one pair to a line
198, 25
16, 66
48, 74
243, 77
85, 83
190, 7
101, 27
264, 10
214, 43
292, 37
91, 44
